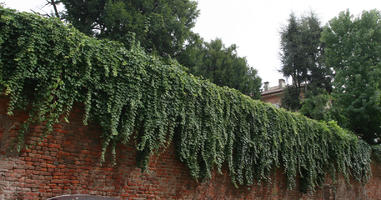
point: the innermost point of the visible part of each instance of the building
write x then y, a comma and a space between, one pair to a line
274, 94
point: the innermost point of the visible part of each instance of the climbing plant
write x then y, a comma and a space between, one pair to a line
47, 66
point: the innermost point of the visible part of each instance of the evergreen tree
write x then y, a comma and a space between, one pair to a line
302, 59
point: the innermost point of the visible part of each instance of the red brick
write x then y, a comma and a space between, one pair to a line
67, 161
54, 146
50, 166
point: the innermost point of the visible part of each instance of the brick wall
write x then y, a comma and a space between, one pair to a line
67, 162
275, 98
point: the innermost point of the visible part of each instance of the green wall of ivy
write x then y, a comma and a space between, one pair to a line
47, 66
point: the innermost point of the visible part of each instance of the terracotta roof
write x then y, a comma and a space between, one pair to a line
271, 90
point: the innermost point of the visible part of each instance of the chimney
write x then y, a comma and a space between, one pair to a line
282, 83
266, 86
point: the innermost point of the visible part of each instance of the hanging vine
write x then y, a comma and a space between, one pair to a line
46, 66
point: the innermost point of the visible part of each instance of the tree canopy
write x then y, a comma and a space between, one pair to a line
161, 26
221, 65
353, 50
302, 58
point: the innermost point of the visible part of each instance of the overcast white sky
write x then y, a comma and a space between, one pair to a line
253, 25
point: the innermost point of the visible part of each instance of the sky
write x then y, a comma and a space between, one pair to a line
253, 25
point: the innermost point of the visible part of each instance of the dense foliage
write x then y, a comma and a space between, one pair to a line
45, 67
302, 55
353, 50
317, 104
161, 26
221, 65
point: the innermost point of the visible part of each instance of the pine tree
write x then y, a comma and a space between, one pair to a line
302, 59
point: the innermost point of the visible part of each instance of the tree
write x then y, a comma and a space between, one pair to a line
54, 3
291, 98
292, 66
161, 26
317, 105
302, 59
192, 55
353, 50
221, 65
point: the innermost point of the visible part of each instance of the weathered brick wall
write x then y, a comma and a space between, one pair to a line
67, 162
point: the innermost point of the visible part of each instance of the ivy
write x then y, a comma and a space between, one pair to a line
47, 66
